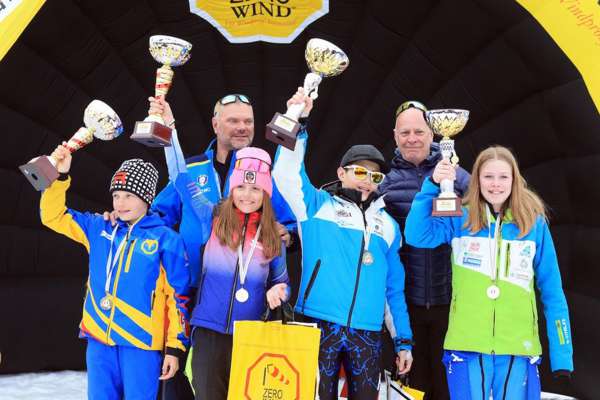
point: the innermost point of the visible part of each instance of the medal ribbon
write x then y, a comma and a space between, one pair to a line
110, 262
368, 229
244, 264
493, 243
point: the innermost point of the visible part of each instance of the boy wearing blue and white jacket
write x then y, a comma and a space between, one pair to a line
351, 268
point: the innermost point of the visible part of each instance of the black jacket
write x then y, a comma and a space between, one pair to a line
428, 271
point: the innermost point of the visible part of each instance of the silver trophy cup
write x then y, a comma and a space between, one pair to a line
447, 123
170, 52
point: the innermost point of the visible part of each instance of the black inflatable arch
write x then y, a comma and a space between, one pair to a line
487, 56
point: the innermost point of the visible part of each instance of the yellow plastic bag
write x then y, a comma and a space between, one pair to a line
398, 391
272, 360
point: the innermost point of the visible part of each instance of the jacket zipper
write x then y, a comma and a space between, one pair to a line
129, 255
311, 281
497, 267
428, 281
534, 315
235, 276
360, 257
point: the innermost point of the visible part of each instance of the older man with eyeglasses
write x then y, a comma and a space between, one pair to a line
428, 271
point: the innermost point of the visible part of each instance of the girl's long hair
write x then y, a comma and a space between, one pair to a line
524, 204
228, 229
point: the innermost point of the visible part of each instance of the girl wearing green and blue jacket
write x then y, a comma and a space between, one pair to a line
501, 247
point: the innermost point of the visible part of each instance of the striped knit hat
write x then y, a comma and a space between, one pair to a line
138, 177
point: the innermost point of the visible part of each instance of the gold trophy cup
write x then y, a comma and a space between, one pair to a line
447, 123
170, 52
324, 59
100, 121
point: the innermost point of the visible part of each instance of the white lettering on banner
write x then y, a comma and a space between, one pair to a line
7, 7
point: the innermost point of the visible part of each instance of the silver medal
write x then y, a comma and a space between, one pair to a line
493, 292
367, 258
241, 295
106, 303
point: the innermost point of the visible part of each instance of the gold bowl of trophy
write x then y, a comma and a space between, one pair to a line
100, 121
325, 58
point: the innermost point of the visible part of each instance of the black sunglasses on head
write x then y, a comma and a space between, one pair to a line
410, 104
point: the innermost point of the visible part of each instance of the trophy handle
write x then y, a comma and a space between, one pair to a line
164, 79
152, 131
311, 85
81, 138
447, 188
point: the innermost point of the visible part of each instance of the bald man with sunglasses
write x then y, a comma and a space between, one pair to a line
428, 271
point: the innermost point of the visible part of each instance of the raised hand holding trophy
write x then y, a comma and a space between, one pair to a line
324, 59
170, 52
447, 123
100, 121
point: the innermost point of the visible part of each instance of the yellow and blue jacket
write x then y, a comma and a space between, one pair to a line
149, 283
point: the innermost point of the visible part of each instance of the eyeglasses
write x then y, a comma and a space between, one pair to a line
410, 104
361, 174
232, 98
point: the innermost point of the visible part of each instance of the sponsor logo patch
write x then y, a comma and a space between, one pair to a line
202, 180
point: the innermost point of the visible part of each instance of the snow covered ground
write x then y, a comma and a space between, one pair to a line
72, 385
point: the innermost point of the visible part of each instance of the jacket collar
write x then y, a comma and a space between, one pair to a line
252, 222
353, 196
211, 150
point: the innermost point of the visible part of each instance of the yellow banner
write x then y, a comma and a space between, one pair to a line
244, 21
575, 27
15, 15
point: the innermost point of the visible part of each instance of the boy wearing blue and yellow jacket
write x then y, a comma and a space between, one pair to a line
135, 306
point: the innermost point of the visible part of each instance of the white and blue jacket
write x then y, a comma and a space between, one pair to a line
336, 286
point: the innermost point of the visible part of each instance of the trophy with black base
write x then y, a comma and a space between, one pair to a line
170, 52
324, 59
100, 122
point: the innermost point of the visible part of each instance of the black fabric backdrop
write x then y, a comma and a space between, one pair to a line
488, 56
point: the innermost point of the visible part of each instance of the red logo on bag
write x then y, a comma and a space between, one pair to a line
272, 376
